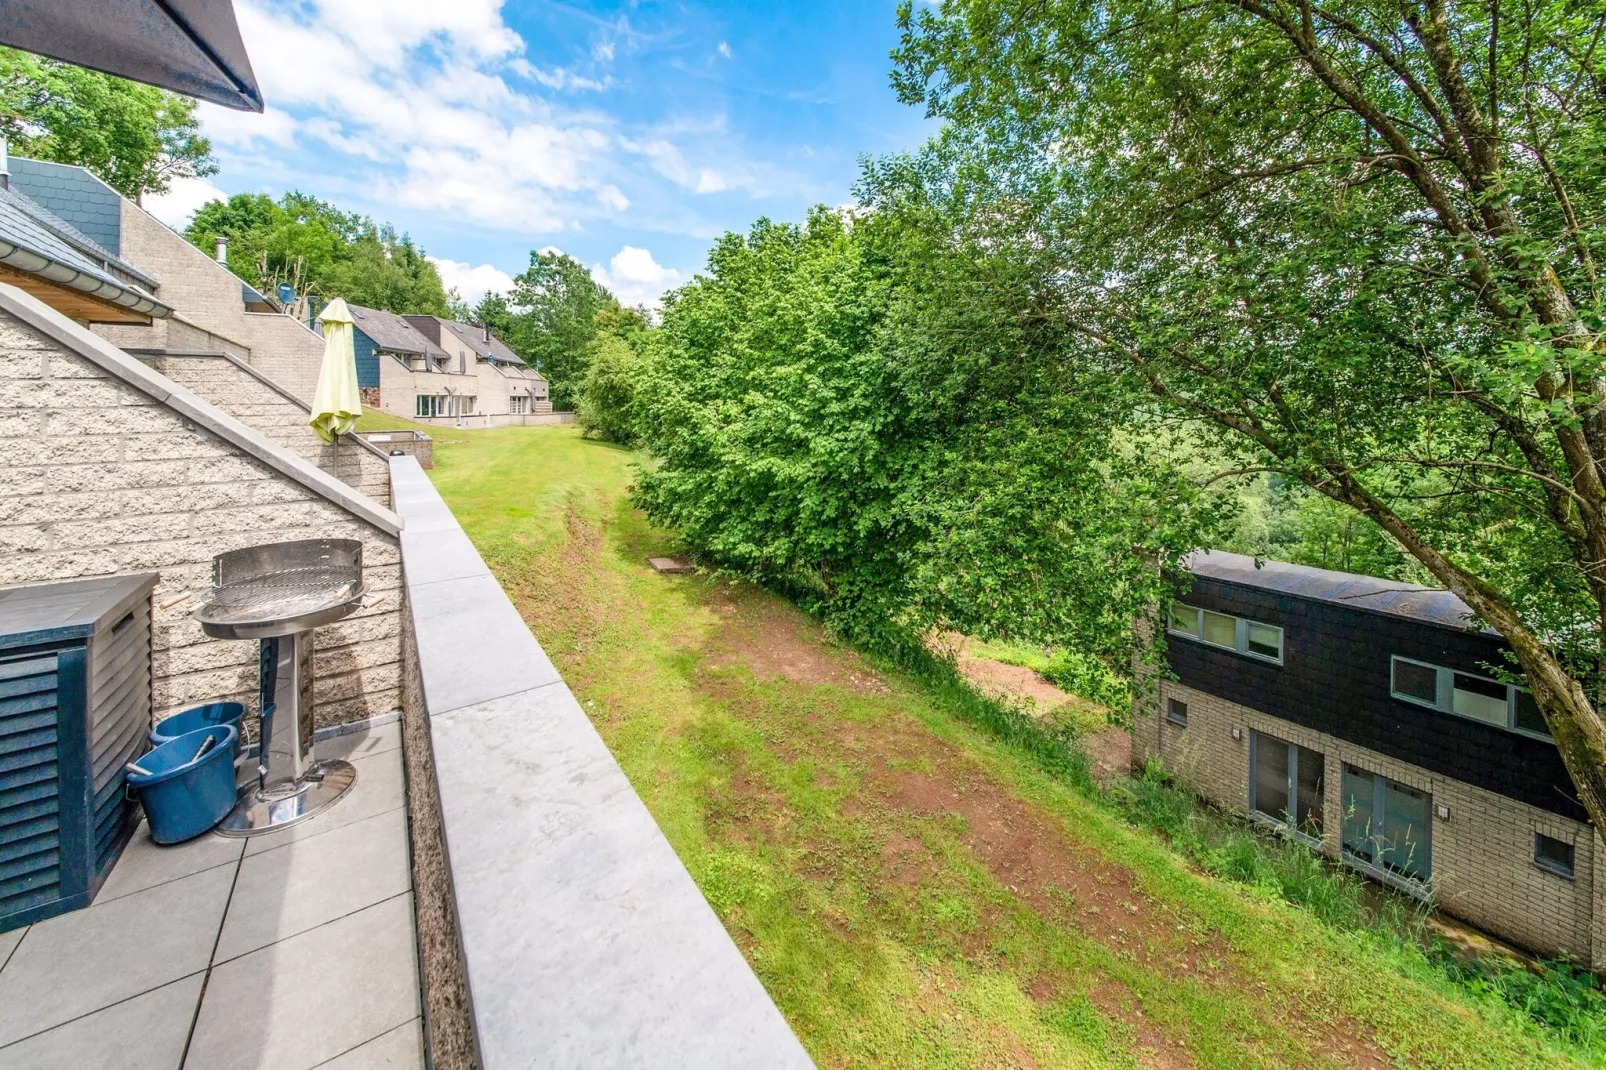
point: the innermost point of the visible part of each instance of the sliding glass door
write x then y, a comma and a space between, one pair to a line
1286, 783
1387, 824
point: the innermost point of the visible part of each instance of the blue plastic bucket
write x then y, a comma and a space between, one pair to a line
184, 796
195, 718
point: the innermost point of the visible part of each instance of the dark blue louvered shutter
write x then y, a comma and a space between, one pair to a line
38, 848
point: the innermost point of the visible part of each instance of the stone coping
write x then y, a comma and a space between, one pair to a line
584, 939
113, 361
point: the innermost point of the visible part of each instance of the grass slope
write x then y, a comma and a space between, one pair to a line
914, 893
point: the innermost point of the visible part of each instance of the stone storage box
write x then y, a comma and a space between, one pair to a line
75, 705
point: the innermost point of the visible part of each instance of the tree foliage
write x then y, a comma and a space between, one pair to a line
135, 137
549, 319
812, 423
1354, 243
320, 250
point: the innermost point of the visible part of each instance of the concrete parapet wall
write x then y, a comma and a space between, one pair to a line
584, 940
411, 443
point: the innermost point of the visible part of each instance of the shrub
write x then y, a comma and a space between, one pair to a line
605, 403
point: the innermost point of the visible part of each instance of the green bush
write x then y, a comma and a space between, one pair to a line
605, 403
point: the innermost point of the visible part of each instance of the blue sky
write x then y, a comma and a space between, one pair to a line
629, 135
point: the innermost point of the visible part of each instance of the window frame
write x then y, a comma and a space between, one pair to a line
1555, 868
1420, 887
1171, 716
1240, 630
434, 406
1444, 696
1288, 823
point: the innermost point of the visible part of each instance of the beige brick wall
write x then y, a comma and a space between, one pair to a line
241, 395
1482, 855
208, 295
399, 385
101, 480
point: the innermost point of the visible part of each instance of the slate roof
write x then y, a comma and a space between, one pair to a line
393, 333
70, 258
495, 349
74, 196
1428, 604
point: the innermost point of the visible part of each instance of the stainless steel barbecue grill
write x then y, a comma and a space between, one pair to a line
277, 594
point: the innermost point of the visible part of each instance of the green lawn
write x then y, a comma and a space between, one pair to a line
912, 892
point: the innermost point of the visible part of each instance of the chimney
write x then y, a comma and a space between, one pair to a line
223, 250
5, 163
487, 332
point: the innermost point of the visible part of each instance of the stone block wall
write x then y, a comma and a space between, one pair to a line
240, 394
1482, 854
100, 479
209, 296
175, 332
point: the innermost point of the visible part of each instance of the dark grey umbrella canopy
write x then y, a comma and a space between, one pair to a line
189, 46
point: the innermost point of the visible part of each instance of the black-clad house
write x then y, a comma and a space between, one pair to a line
1369, 717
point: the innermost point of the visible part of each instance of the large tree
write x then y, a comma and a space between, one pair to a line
320, 250
550, 321
848, 409
137, 138
1355, 242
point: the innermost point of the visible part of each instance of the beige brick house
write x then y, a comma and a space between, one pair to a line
1364, 716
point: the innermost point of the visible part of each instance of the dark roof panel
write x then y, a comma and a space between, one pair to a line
393, 333
1342, 588
74, 195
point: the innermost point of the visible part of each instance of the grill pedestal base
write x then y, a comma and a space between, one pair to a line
322, 786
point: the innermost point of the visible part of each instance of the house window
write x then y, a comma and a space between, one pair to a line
1553, 855
1176, 711
1251, 637
1386, 825
518, 404
431, 405
1287, 784
1475, 697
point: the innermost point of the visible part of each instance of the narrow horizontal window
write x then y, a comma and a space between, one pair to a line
1228, 632
1480, 699
1416, 681
1553, 855
1221, 630
1176, 711
1265, 640
1477, 698
1529, 719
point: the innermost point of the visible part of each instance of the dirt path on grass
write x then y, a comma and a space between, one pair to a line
913, 779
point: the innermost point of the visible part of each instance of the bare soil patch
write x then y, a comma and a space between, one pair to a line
778, 642
1013, 683
1110, 752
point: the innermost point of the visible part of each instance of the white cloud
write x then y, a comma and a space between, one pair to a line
602, 52
636, 278
183, 199
472, 282
710, 181
419, 90
725, 49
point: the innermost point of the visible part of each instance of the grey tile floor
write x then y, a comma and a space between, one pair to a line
287, 951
